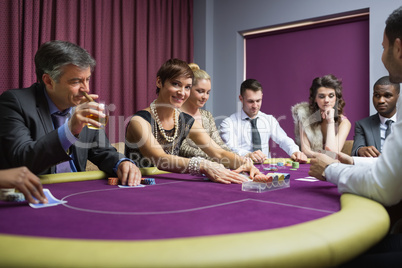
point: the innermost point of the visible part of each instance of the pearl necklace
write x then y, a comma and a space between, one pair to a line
158, 121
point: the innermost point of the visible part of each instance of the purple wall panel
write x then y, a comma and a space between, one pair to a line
287, 62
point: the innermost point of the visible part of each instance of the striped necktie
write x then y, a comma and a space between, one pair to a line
389, 124
255, 135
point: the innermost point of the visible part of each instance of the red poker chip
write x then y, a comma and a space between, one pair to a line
113, 181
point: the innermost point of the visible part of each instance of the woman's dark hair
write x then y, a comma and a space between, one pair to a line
173, 69
328, 81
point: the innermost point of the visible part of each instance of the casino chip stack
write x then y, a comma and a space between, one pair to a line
148, 181
288, 164
262, 178
11, 195
14, 197
113, 181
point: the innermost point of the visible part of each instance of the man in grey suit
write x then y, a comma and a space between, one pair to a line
371, 131
44, 127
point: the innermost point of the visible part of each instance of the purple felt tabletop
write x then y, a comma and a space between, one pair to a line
178, 205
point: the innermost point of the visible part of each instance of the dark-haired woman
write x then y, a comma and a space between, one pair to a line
320, 124
154, 135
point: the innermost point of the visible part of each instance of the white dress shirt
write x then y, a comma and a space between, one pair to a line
376, 178
236, 133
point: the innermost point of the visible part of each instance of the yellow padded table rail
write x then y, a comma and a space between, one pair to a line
283, 160
67, 177
89, 175
328, 241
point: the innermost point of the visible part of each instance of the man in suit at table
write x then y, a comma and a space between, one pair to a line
44, 127
370, 132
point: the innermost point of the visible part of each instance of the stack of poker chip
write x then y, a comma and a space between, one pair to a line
15, 197
262, 178
11, 195
272, 169
148, 181
295, 164
113, 181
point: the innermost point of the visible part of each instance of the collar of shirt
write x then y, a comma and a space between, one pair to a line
384, 119
244, 116
52, 106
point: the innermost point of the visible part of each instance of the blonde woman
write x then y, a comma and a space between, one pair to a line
199, 95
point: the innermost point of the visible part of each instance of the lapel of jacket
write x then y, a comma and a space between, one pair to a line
375, 128
80, 152
42, 108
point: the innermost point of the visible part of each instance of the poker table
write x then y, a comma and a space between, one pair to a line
188, 221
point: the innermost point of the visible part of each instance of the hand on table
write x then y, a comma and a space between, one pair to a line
218, 173
257, 156
129, 174
25, 181
299, 157
318, 164
368, 151
345, 159
324, 158
249, 167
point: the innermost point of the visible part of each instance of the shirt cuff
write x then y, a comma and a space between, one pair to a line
331, 173
116, 167
358, 161
65, 136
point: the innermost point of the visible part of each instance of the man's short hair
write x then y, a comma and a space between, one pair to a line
52, 56
251, 84
393, 28
384, 81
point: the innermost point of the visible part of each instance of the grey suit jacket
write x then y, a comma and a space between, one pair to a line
27, 137
367, 133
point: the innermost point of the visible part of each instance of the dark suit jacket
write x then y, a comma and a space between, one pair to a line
27, 137
367, 133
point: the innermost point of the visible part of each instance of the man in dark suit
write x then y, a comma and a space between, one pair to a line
371, 132
32, 136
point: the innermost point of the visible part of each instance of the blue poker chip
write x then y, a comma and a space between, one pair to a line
148, 181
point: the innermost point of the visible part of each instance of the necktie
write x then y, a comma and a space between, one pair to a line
255, 135
389, 124
58, 119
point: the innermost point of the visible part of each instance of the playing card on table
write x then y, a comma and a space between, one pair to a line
127, 186
52, 201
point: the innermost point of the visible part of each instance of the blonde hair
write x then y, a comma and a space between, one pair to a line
198, 73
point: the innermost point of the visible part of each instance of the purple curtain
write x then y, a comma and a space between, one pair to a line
128, 39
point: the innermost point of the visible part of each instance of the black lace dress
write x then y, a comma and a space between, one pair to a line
132, 150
